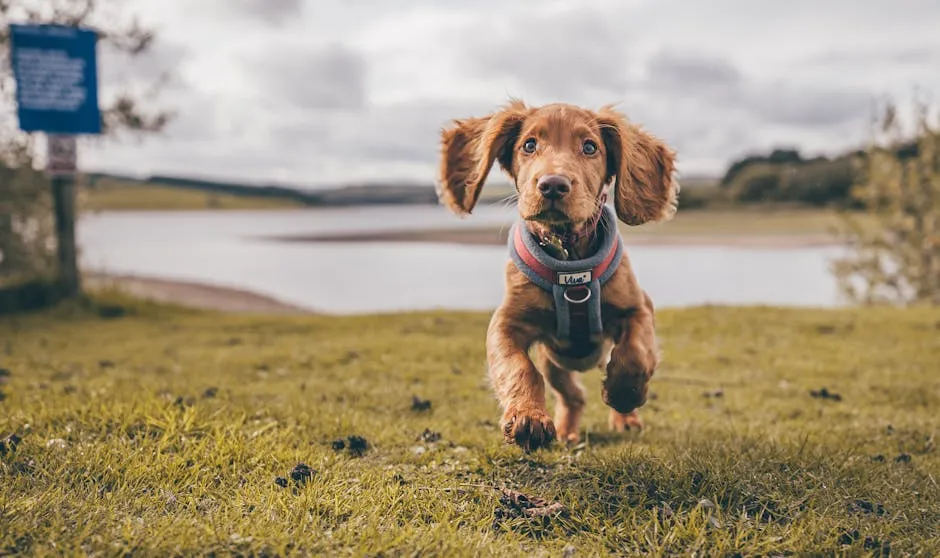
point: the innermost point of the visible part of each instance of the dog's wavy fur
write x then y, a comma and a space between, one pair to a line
522, 350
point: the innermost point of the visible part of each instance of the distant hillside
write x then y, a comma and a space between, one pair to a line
364, 194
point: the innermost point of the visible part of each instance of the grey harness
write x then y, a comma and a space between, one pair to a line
575, 285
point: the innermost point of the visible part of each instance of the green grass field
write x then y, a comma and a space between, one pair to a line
161, 431
110, 195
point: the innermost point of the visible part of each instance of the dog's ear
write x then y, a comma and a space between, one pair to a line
643, 166
468, 150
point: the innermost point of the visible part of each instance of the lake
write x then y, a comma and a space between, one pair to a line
228, 249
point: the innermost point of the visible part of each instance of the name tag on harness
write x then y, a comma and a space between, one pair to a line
579, 278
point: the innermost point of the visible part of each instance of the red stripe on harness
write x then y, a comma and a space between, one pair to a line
547, 273
530, 260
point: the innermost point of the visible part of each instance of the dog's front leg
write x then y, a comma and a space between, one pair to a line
518, 384
632, 363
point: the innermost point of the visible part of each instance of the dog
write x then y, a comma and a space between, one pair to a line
572, 301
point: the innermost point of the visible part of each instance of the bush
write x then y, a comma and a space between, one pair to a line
27, 241
758, 182
897, 260
820, 182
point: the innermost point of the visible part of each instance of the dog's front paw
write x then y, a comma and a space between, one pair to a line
624, 422
528, 428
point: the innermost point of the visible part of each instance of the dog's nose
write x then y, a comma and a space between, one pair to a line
554, 186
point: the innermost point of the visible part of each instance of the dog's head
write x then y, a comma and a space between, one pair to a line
561, 158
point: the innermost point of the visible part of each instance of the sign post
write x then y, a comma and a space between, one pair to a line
56, 75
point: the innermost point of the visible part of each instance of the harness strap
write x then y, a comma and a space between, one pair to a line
575, 285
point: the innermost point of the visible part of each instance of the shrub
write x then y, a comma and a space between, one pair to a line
898, 259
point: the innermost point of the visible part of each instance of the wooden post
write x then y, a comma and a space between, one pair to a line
63, 193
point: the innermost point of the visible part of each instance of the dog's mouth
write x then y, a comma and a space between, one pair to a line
550, 216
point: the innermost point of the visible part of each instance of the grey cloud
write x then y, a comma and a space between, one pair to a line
554, 55
690, 72
716, 84
407, 132
792, 104
326, 78
864, 60
163, 58
273, 12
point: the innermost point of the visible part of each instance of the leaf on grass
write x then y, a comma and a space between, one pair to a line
530, 506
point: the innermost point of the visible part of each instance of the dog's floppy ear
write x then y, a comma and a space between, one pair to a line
468, 150
643, 166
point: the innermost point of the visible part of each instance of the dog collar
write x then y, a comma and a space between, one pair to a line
575, 285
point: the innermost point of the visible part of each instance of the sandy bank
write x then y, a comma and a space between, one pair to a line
191, 294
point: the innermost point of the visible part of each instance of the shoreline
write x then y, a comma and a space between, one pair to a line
499, 237
191, 294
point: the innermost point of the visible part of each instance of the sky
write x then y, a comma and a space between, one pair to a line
317, 93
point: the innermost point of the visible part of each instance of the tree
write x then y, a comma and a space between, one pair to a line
896, 259
27, 241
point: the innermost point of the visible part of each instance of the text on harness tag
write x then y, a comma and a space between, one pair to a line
579, 278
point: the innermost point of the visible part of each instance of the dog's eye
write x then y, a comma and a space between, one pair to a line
529, 145
589, 147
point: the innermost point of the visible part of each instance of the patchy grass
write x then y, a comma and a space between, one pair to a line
161, 431
112, 195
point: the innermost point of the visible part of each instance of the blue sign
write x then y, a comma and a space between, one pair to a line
56, 74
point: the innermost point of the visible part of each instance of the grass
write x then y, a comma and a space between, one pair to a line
112, 195
161, 431
754, 220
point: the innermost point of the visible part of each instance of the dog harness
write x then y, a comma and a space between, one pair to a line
575, 285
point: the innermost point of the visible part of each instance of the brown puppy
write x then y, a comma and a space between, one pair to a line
563, 159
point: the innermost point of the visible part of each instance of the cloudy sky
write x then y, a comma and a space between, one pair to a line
317, 93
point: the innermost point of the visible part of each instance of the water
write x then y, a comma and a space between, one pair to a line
227, 249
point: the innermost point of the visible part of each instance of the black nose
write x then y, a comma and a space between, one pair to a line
554, 186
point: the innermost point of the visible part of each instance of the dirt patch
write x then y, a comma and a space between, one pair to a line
429, 436
4, 378
514, 504
300, 474
354, 445
420, 405
8, 444
866, 507
824, 393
